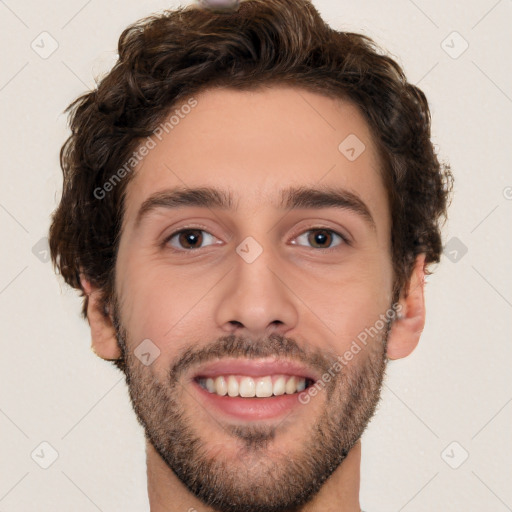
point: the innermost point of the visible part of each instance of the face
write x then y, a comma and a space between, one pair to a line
254, 257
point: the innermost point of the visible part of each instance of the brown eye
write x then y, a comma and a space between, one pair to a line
189, 238
321, 238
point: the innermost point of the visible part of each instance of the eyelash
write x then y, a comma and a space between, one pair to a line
343, 241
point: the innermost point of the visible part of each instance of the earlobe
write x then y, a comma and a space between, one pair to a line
406, 330
103, 334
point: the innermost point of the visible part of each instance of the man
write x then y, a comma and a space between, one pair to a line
250, 203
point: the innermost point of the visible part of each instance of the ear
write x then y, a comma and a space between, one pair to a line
103, 334
407, 328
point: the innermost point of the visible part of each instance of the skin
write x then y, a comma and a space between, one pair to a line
255, 144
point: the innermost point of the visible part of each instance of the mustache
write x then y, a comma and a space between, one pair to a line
235, 346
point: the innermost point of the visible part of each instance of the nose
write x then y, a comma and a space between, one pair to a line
255, 298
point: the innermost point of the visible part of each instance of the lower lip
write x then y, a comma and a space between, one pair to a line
250, 409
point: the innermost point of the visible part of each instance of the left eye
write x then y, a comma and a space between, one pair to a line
321, 238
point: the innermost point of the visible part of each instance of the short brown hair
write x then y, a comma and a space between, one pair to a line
168, 57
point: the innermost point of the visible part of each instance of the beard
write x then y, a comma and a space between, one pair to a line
256, 480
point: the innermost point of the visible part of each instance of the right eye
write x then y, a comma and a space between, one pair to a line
189, 239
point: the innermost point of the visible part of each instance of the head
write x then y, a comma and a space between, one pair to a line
251, 185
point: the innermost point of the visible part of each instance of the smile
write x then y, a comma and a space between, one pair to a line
258, 387
252, 389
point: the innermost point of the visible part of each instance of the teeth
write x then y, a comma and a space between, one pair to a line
249, 387
291, 386
220, 386
232, 386
264, 387
210, 385
279, 386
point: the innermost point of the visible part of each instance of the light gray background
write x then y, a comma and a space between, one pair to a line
456, 386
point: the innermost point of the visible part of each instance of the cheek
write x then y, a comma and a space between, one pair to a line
352, 310
352, 302
164, 305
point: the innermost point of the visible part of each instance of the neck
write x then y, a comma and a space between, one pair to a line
340, 493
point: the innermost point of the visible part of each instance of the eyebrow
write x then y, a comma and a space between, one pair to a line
291, 198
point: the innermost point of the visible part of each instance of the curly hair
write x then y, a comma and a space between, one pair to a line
170, 56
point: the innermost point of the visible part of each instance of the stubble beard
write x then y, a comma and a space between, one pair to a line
257, 479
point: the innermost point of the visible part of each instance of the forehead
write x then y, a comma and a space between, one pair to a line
258, 143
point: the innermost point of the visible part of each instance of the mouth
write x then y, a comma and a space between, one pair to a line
252, 389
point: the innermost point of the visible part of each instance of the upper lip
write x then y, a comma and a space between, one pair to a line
255, 368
